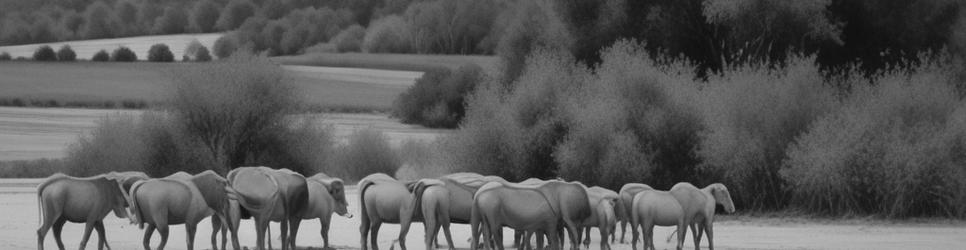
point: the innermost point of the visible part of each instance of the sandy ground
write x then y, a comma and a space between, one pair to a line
18, 205
86, 49
32, 133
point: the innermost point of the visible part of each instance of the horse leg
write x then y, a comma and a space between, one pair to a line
87, 234
147, 236
191, 228
59, 227
325, 233
375, 234
101, 237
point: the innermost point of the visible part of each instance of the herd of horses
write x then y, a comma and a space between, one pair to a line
554, 210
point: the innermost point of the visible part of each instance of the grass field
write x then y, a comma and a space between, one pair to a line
85, 49
408, 62
97, 82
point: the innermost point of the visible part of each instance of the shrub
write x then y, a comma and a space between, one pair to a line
101, 56
421, 159
4, 56
367, 152
512, 131
752, 114
895, 148
66, 54
45, 53
160, 53
234, 14
202, 54
123, 54
349, 39
40, 168
631, 121
438, 97
194, 50
390, 34
225, 46
114, 144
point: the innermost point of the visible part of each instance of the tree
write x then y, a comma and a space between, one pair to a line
72, 23
231, 105
66, 54
350, 39
45, 53
234, 14
173, 21
127, 15
204, 16
149, 12
100, 21
160, 53
225, 45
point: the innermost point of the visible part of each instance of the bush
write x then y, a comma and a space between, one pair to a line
367, 152
752, 114
438, 97
66, 54
40, 168
225, 45
101, 56
115, 144
390, 34
349, 39
631, 121
160, 53
895, 148
4, 56
512, 131
45, 53
197, 52
421, 159
123, 54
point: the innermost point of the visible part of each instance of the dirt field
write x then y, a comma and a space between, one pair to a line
32, 133
86, 49
18, 204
